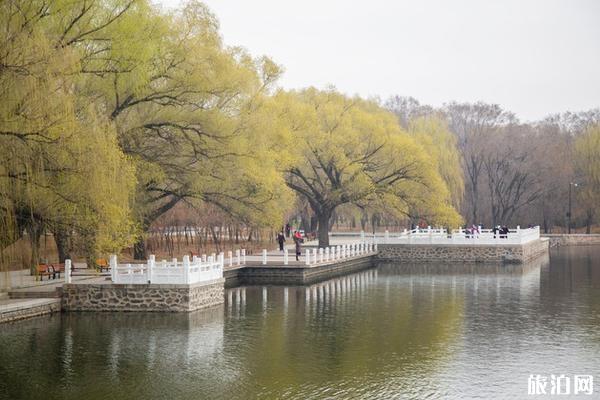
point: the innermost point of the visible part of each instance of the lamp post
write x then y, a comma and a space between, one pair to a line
571, 184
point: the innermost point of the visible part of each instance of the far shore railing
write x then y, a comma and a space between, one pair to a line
441, 236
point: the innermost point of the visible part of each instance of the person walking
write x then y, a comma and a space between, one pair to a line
280, 240
298, 241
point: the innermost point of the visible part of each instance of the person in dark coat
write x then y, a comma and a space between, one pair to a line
298, 241
280, 240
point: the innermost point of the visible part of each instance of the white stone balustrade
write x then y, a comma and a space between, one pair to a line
431, 235
168, 272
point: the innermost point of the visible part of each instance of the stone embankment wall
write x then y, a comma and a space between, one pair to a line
120, 297
574, 239
296, 275
463, 253
29, 309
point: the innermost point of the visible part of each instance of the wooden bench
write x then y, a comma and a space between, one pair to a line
57, 269
101, 264
44, 270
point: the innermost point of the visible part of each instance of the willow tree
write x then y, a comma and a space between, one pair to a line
587, 164
57, 152
351, 151
441, 145
187, 111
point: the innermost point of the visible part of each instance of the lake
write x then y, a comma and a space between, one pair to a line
394, 331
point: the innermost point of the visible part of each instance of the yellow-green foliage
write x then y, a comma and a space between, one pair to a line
349, 150
587, 162
113, 111
60, 164
441, 145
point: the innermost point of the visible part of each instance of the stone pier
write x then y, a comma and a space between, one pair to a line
464, 253
149, 297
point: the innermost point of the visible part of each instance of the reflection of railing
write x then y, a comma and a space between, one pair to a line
168, 272
456, 236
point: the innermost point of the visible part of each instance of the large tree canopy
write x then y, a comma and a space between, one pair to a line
348, 150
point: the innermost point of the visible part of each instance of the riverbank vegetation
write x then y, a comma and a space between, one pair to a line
119, 120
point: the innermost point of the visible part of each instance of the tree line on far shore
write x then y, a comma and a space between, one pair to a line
115, 114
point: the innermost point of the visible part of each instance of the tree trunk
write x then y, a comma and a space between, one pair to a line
35, 229
314, 222
588, 221
139, 249
323, 218
61, 237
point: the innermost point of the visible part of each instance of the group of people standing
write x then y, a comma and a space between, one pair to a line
296, 237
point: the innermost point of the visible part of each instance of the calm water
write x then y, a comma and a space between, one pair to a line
390, 332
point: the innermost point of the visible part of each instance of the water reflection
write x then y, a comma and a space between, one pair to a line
415, 331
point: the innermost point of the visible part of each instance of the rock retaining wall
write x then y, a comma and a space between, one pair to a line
575, 239
152, 297
29, 309
462, 253
297, 275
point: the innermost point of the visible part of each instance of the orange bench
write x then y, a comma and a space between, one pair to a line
57, 269
101, 264
44, 270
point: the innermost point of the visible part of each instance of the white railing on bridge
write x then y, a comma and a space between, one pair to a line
338, 253
325, 254
431, 235
186, 271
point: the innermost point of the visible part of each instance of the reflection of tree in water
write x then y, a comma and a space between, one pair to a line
348, 332
570, 286
95, 355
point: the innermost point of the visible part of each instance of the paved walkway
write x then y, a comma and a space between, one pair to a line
22, 304
21, 279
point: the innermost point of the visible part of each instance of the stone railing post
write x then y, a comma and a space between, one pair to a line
230, 258
264, 257
362, 236
186, 269
151, 261
286, 259
244, 256
386, 236
67, 271
375, 247
204, 258
314, 252
327, 254
238, 257
113, 268
320, 254
307, 260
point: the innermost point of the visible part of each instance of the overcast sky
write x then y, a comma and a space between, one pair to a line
533, 57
